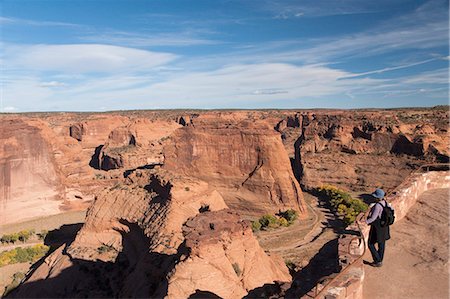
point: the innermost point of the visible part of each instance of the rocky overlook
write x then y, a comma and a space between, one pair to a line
167, 191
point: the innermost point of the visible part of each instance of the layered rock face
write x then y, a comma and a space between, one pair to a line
28, 176
138, 241
155, 199
363, 150
245, 161
48, 163
134, 145
223, 250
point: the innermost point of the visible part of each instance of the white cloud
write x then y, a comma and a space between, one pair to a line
18, 21
250, 83
177, 39
9, 109
241, 85
83, 58
318, 8
268, 91
398, 67
439, 76
52, 84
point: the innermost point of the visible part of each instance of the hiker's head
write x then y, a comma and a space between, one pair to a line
378, 194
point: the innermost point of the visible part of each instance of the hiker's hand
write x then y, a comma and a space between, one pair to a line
360, 218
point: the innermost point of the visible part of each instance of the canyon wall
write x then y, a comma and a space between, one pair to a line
54, 162
245, 161
28, 176
362, 150
157, 235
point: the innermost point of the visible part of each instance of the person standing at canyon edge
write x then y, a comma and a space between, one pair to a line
378, 234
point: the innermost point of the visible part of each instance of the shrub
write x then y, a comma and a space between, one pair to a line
342, 203
283, 222
10, 238
290, 215
256, 226
105, 248
268, 221
237, 269
42, 234
24, 235
204, 208
187, 188
21, 255
290, 264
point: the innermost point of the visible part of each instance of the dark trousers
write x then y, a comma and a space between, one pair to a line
377, 255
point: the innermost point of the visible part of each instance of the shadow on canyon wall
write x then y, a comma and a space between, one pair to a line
134, 273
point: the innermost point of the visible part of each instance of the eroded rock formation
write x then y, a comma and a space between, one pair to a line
28, 175
154, 237
136, 144
360, 150
245, 161
223, 250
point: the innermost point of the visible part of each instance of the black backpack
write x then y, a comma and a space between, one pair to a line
387, 216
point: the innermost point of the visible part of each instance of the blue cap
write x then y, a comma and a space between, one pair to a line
378, 193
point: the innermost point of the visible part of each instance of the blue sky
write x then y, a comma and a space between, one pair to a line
110, 55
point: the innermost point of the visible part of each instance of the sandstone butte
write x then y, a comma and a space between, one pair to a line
167, 191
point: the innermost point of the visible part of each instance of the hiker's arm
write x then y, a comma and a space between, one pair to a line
374, 214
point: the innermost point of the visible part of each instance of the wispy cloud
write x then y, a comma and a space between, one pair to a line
425, 28
224, 87
287, 9
52, 84
83, 58
439, 76
177, 39
388, 69
17, 21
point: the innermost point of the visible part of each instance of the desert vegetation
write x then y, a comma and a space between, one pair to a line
268, 221
342, 203
23, 236
105, 248
22, 255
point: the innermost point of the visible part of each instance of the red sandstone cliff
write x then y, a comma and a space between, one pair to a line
154, 237
245, 161
149, 229
360, 150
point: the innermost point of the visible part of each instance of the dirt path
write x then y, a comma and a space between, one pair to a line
310, 245
283, 239
416, 258
302, 240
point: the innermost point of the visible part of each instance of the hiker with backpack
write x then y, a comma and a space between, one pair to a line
381, 215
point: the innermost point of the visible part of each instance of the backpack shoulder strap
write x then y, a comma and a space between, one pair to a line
379, 203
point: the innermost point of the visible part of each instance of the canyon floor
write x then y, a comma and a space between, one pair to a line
416, 257
59, 224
